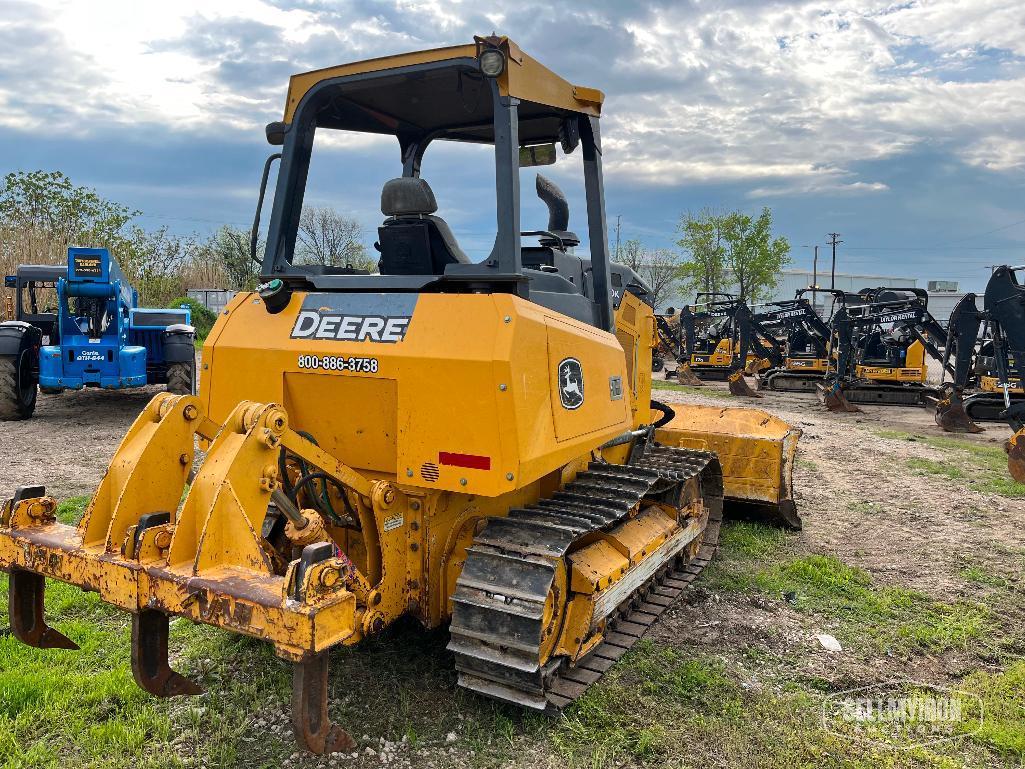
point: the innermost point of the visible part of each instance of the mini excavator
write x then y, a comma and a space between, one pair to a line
805, 337
992, 364
469, 441
721, 341
879, 342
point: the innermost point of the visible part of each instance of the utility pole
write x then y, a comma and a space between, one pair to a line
834, 243
814, 274
618, 218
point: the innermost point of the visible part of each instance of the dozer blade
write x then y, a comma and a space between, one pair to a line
757, 451
685, 375
739, 386
1015, 448
950, 414
831, 396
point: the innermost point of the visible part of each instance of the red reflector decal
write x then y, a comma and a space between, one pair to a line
473, 461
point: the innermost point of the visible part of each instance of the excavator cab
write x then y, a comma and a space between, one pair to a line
464, 438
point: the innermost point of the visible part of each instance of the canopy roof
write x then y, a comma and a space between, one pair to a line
440, 92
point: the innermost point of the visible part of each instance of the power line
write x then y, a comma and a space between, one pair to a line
988, 232
193, 219
934, 248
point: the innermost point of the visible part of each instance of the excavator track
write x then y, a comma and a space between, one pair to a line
500, 595
987, 406
881, 394
791, 381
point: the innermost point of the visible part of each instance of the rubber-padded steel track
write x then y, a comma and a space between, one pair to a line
711, 373
987, 406
881, 394
791, 381
497, 628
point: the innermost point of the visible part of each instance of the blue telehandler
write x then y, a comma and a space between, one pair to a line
81, 326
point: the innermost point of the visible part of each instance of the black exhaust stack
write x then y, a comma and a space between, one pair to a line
558, 215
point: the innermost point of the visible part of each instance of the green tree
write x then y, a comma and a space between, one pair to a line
229, 248
47, 201
154, 262
732, 251
702, 239
753, 256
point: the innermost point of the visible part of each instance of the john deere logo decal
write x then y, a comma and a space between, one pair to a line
571, 384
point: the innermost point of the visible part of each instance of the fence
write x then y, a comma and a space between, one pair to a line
215, 299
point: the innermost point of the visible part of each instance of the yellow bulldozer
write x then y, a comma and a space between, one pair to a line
467, 440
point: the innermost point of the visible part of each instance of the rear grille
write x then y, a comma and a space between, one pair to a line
430, 472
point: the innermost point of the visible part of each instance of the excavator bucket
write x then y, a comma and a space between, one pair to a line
686, 376
1015, 448
950, 414
739, 386
831, 396
757, 452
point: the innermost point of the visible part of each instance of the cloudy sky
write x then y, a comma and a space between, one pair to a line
899, 125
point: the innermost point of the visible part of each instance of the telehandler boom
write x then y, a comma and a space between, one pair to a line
467, 440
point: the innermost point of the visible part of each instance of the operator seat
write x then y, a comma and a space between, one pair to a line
412, 240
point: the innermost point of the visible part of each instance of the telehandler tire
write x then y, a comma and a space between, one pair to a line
181, 378
17, 387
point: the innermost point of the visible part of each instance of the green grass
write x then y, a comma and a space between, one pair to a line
1003, 708
979, 575
865, 507
664, 707
752, 540
982, 466
70, 510
877, 617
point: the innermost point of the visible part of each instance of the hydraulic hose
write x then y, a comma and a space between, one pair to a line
667, 414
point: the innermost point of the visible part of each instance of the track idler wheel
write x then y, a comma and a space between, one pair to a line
25, 594
150, 630
739, 386
313, 728
686, 376
950, 414
1015, 448
831, 396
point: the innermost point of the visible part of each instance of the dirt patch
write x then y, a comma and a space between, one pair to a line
861, 500
69, 441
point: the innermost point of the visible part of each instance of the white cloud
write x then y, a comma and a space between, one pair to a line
787, 96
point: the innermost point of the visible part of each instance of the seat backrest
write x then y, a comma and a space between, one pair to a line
412, 240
